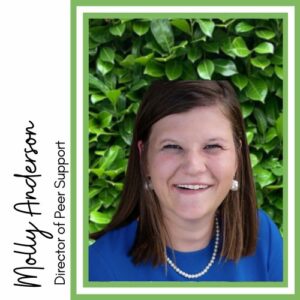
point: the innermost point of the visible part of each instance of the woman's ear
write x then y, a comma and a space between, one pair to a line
140, 146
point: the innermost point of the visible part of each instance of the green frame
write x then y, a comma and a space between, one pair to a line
74, 174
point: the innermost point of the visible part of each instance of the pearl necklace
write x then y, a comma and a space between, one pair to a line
205, 270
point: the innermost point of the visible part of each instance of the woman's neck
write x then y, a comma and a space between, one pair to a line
189, 235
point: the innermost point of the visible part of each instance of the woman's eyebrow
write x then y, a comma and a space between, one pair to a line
217, 139
210, 140
167, 140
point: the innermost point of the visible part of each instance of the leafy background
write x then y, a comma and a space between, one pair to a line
125, 56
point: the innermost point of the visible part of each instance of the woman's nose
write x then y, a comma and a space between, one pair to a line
194, 163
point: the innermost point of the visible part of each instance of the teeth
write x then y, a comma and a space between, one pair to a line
192, 187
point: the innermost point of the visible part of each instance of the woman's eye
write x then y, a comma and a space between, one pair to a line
212, 147
170, 146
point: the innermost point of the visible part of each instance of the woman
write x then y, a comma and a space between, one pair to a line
188, 209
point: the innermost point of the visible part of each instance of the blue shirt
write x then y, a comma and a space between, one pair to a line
109, 260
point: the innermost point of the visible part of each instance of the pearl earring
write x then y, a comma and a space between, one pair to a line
148, 185
234, 185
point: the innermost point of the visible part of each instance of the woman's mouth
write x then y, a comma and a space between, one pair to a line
191, 188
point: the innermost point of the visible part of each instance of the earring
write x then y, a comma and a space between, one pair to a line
234, 185
148, 184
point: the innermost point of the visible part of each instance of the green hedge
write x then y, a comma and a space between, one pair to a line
125, 56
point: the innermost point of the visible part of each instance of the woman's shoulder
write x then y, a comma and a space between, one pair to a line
270, 247
269, 242
116, 240
110, 251
266, 224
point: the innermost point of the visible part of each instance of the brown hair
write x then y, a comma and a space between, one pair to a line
238, 211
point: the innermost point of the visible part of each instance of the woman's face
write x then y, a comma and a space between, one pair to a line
192, 161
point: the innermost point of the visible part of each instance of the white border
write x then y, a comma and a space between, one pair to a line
290, 10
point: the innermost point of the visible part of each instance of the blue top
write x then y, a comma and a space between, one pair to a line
108, 259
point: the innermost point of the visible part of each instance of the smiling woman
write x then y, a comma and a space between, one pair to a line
188, 209
189, 162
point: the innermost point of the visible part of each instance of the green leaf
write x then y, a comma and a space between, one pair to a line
107, 54
95, 129
207, 26
278, 204
128, 61
105, 119
274, 165
262, 176
240, 81
117, 30
268, 71
93, 51
254, 160
225, 67
239, 47
174, 69
189, 72
270, 211
97, 98
165, 58
259, 197
212, 47
180, 48
250, 136
138, 85
205, 69
275, 187
256, 89
182, 25
115, 172
260, 62
126, 130
100, 218
279, 72
104, 67
117, 185
276, 58
247, 109
163, 34
140, 28
264, 48
271, 134
265, 34
108, 197
271, 111
154, 69
268, 147
113, 96
94, 82
194, 53
260, 120
153, 46
143, 60
279, 92
93, 192
243, 27
100, 35
124, 75
279, 126
109, 157
226, 47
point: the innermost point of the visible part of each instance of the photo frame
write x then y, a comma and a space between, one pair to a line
80, 17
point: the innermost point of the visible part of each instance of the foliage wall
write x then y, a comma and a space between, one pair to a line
125, 56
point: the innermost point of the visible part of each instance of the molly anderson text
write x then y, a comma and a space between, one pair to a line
30, 206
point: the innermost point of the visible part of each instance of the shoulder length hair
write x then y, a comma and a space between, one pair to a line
238, 211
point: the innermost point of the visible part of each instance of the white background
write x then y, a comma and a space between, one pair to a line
34, 85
